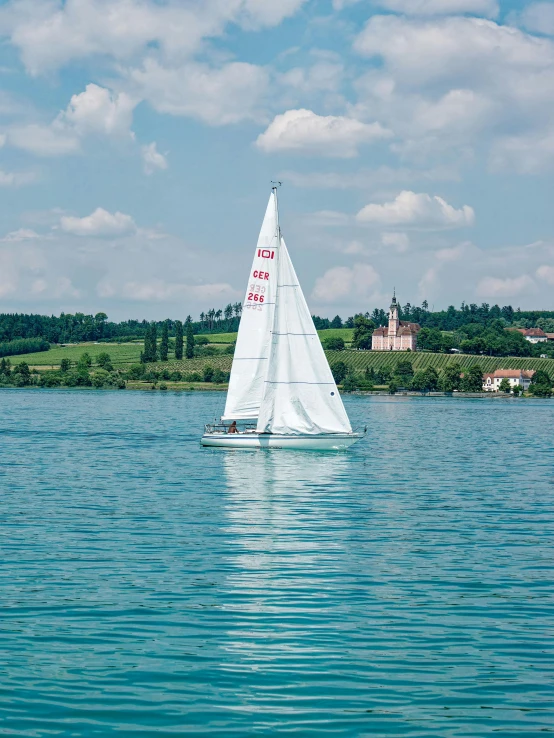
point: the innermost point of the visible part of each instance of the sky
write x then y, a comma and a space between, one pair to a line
414, 140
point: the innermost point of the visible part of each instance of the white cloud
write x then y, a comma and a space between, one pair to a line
152, 158
50, 34
546, 273
159, 290
16, 179
218, 96
98, 223
322, 135
22, 234
441, 7
53, 140
398, 241
328, 218
323, 76
452, 49
526, 154
495, 287
341, 282
412, 209
443, 83
98, 110
538, 17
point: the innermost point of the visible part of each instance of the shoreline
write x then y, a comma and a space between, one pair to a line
208, 387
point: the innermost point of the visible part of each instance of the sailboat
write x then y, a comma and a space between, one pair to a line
281, 391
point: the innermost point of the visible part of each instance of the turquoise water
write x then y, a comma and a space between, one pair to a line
149, 587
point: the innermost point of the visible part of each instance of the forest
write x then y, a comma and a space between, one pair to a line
472, 328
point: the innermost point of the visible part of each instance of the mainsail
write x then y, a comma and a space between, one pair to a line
250, 363
300, 395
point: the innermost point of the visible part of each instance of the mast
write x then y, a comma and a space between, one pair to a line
274, 188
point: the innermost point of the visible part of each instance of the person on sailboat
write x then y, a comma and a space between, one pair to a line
233, 427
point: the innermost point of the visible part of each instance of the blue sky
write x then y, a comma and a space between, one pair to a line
138, 138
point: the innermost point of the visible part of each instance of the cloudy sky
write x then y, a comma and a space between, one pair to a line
138, 138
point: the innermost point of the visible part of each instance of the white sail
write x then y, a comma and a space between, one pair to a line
300, 395
251, 359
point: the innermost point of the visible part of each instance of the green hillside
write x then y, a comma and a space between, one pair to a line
125, 354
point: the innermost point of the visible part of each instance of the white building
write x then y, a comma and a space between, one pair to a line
533, 335
521, 377
400, 334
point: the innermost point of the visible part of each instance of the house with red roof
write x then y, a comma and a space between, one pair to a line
519, 377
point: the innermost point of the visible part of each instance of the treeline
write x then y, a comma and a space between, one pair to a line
101, 374
79, 327
23, 346
452, 378
450, 319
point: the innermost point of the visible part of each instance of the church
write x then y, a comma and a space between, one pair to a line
399, 336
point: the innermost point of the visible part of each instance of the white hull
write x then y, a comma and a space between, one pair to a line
323, 442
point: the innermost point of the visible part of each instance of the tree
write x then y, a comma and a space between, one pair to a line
190, 341
164, 342
430, 339
85, 362
151, 343
450, 378
333, 344
21, 375
517, 390
349, 383
393, 386
472, 381
363, 330
104, 361
65, 365
426, 380
208, 373
339, 370
541, 384
100, 323
505, 385
404, 372
336, 322
178, 340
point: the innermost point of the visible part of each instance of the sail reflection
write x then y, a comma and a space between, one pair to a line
282, 516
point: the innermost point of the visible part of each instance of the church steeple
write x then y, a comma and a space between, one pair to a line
394, 320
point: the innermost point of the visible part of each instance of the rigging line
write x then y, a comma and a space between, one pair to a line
294, 334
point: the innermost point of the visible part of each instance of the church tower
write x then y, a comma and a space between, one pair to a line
394, 321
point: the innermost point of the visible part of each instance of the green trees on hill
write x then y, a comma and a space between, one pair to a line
190, 340
178, 340
164, 342
541, 384
363, 331
150, 352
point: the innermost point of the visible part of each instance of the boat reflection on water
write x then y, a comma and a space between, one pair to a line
284, 516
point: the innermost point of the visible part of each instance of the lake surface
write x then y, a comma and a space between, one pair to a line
149, 587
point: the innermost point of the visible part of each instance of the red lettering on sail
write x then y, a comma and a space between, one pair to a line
260, 275
266, 254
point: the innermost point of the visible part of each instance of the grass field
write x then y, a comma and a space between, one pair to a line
120, 353
344, 333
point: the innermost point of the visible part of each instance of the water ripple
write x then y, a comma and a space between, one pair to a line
151, 587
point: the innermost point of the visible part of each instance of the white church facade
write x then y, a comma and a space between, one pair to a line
399, 336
